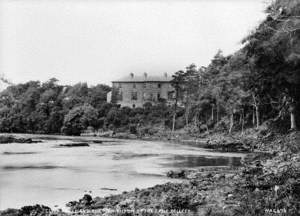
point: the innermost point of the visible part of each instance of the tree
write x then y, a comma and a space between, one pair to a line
177, 82
97, 95
191, 86
79, 118
274, 49
114, 117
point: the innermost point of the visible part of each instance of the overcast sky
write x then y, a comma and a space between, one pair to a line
97, 41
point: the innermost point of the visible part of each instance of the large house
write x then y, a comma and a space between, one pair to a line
135, 91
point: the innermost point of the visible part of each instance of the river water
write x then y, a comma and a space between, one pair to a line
47, 174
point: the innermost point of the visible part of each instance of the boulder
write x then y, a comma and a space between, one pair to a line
176, 174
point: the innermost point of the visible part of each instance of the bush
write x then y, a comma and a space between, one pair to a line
79, 118
37, 210
132, 129
177, 202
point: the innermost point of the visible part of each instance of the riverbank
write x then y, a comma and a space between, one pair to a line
267, 182
235, 142
198, 191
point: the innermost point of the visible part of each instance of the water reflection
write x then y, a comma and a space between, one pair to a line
18, 153
130, 155
41, 167
192, 161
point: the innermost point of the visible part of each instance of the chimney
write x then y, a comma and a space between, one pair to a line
145, 75
166, 75
131, 75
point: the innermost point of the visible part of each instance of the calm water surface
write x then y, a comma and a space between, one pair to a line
43, 173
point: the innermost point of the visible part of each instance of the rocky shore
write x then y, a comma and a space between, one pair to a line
12, 139
215, 141
268, 183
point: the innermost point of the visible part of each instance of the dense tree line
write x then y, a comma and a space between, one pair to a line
48, 107
259, 83
35, 107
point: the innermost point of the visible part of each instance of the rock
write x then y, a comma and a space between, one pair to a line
205, 182
74, 145
35, 210
229, 144
125, 203
208, 175
219, 176
236, 177
109, 189
192, 175
204, 188
86, 200
229, 175
11, 139
176, 174
256, 190
230, 195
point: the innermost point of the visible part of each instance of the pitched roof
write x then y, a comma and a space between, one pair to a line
145, 78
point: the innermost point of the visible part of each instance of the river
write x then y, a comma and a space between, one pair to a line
47, 174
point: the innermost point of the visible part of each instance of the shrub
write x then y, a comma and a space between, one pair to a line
132, 129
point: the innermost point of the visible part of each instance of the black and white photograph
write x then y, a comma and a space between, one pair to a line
149, 107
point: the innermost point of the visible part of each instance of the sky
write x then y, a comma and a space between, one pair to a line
97, 41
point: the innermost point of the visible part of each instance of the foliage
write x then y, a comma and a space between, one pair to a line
79, 118
35, 107
259, 82
267, 190
36, 210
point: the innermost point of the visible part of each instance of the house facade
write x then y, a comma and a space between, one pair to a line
135, 91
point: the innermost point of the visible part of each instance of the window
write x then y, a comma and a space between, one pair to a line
144, 85
151, 97
134, 85
159, 85
158, 96
120, 98
134, 96
119, 85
